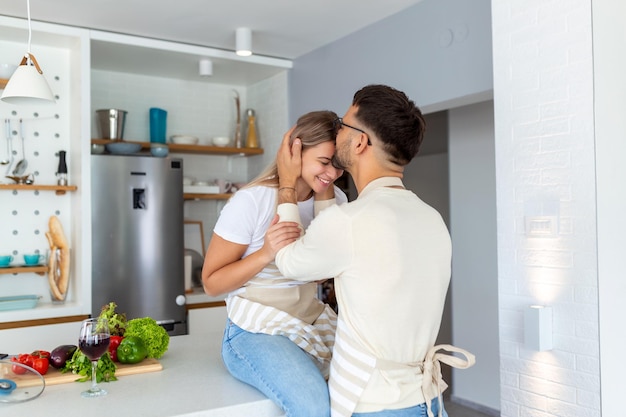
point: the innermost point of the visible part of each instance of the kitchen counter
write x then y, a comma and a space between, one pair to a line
193, 382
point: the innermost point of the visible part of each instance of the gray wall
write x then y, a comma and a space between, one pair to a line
474, 246
405, 51
410, 51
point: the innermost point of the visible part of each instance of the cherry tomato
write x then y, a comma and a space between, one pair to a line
17, 370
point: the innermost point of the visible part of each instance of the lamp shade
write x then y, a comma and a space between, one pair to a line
27, 85
244, 41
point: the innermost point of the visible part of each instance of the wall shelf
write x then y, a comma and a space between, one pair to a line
39, 270
3, 83
190, 196
58, 189
194, 149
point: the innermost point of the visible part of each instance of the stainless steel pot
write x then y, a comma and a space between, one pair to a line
111, 123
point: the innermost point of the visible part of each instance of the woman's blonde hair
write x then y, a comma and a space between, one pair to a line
312, 129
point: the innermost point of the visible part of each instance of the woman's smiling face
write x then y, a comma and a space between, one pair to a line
317, 171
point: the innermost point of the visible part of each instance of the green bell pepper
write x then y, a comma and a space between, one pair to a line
131, 350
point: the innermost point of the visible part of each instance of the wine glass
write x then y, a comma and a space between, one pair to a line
94, 342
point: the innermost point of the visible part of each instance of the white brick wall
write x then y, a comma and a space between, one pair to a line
543, 98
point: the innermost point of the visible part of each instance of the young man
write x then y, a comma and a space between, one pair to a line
390, 254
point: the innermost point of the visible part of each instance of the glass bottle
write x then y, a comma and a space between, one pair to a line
252, 140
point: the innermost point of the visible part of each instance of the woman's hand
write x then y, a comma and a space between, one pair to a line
289, 160
278, 236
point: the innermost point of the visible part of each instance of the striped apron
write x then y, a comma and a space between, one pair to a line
351, 369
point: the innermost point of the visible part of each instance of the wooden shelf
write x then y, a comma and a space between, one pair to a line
39, 270
194, 149
59, 189
3, 83
190, 196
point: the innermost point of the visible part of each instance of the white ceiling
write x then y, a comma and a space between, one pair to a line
281, 28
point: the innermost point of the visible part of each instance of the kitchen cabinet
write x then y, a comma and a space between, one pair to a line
76, 62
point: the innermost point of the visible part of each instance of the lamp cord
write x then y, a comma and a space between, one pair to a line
29, 29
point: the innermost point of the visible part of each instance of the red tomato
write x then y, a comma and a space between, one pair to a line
17, 370
26, 359
41, 365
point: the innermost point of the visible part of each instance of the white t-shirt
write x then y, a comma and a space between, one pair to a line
249, 212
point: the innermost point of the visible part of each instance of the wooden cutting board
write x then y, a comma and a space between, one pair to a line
54, 376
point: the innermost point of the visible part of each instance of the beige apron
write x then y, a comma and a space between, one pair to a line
352, 368
291, 311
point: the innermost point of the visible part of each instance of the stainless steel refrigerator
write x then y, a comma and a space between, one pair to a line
138, 238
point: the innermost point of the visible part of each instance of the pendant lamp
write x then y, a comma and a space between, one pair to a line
27, 85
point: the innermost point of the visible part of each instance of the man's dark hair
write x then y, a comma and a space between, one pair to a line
395, 119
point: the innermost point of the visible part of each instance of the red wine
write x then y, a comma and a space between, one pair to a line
95, 346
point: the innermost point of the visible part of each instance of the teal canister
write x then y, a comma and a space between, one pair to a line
158, 125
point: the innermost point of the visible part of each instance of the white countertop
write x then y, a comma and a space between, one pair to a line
193, 382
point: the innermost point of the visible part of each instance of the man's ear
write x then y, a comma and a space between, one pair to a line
360, 143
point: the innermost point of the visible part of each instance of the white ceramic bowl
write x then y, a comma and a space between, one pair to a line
184, 140
160, 150
6, 70
221, 141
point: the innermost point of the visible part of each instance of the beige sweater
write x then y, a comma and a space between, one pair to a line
390, 254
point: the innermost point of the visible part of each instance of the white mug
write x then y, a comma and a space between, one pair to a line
224, 185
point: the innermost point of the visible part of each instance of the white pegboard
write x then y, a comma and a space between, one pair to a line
24, 214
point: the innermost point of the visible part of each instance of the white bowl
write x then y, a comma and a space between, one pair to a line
123, 148
221, 141
6, 70
184, 140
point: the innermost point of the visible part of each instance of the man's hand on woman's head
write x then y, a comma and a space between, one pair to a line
289, 161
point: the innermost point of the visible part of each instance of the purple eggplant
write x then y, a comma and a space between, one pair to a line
61, 354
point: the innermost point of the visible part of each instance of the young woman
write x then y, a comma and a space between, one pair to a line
279, 335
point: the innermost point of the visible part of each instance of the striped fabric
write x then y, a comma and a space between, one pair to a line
317, 338
351, 369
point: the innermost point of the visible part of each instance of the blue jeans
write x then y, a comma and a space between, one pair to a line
415, 411
279, 369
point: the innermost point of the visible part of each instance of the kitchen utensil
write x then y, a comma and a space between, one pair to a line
97, 148
112, 123
123, 148
62, 169
24, 179
238, 142
23, 163
221, 141
94, 341
5, 260
18, 302
184, 139
160, 150
11, 388
158, 125
7, 125
252, 140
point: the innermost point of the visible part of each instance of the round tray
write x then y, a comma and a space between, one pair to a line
24, 385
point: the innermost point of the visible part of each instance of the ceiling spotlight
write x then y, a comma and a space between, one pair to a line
27, 85
205, 67
244, 41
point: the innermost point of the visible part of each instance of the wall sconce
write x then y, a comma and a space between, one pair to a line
244, 41
538, 328
205, 67
27, 85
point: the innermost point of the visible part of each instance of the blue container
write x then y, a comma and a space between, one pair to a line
158, 119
